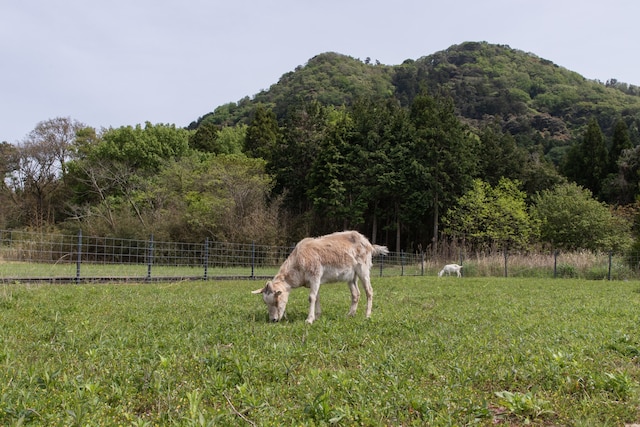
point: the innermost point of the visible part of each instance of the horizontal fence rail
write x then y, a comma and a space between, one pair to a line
41, 257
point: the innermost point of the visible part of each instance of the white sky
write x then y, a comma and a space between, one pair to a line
112, 63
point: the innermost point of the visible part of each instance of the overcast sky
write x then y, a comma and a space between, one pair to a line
123, 62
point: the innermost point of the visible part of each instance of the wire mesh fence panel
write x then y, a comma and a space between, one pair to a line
28, 254
229, 259
401, 264
597, 266
25, 255
268, 259
106, 250
113, 258
509, 264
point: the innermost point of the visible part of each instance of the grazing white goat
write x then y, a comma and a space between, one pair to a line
343, 256
451, 268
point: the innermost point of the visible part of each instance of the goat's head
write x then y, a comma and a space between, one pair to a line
276, 295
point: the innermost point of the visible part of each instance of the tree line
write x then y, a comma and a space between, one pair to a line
411, 176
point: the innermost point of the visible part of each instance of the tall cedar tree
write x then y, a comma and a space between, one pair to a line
383, 138
620, 141
205, 138
262, 133
587, 162
335, 180
445, 156
499, 156
294, 154
621, 185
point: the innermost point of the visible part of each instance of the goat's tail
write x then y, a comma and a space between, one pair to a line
380, 250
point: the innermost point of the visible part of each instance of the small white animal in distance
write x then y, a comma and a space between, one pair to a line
449, 269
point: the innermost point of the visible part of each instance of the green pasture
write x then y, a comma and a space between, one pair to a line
438, 352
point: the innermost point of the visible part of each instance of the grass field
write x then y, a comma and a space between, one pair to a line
440, 352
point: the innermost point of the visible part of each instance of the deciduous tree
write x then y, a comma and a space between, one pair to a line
231, 139
488, 216
112, 168
570, 218
10, 214
43, 157
223, 197
143, 148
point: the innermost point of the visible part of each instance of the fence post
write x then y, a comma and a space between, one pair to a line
79, 260
206, 258
381, 262
610, 256
253, 259
150, 257
402, 262
506, 256
555, 263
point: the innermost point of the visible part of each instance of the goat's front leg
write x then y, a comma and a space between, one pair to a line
314, 302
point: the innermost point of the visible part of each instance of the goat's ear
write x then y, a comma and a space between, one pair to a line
265, 290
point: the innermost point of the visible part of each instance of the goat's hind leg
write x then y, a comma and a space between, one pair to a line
317, 308
368, 290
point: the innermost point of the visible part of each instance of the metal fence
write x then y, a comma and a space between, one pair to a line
43, 257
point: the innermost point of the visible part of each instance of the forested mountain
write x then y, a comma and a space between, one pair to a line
531, 98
